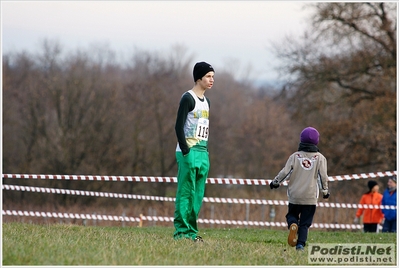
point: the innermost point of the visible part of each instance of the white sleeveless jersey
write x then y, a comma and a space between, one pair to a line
196, 127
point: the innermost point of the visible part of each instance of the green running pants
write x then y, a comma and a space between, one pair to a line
192, 173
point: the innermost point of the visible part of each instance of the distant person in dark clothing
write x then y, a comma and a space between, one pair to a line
389, 199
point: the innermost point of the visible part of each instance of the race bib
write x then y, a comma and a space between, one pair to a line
202, 130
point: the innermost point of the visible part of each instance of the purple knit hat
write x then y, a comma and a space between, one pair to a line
310, 135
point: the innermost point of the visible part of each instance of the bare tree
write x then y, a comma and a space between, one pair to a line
343, 81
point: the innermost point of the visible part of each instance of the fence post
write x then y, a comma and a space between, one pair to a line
272, 213
149, 213
263, 213
212, 213
247, 212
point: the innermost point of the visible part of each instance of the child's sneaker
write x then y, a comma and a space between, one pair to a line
292, 235
299, 247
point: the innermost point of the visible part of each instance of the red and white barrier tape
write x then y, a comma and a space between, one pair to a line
172, 199
69, 215
174, 179
85, 193
167, 219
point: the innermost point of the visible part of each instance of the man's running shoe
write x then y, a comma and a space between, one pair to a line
198, 239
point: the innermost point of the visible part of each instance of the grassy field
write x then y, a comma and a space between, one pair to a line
62, 244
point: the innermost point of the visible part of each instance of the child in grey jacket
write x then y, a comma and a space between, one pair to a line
306, 173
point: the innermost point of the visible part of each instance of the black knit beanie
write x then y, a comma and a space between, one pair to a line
201, 69
371, 184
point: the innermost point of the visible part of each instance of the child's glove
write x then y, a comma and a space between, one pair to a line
326, 194
274, 186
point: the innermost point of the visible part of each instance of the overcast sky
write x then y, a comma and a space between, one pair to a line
227, 34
